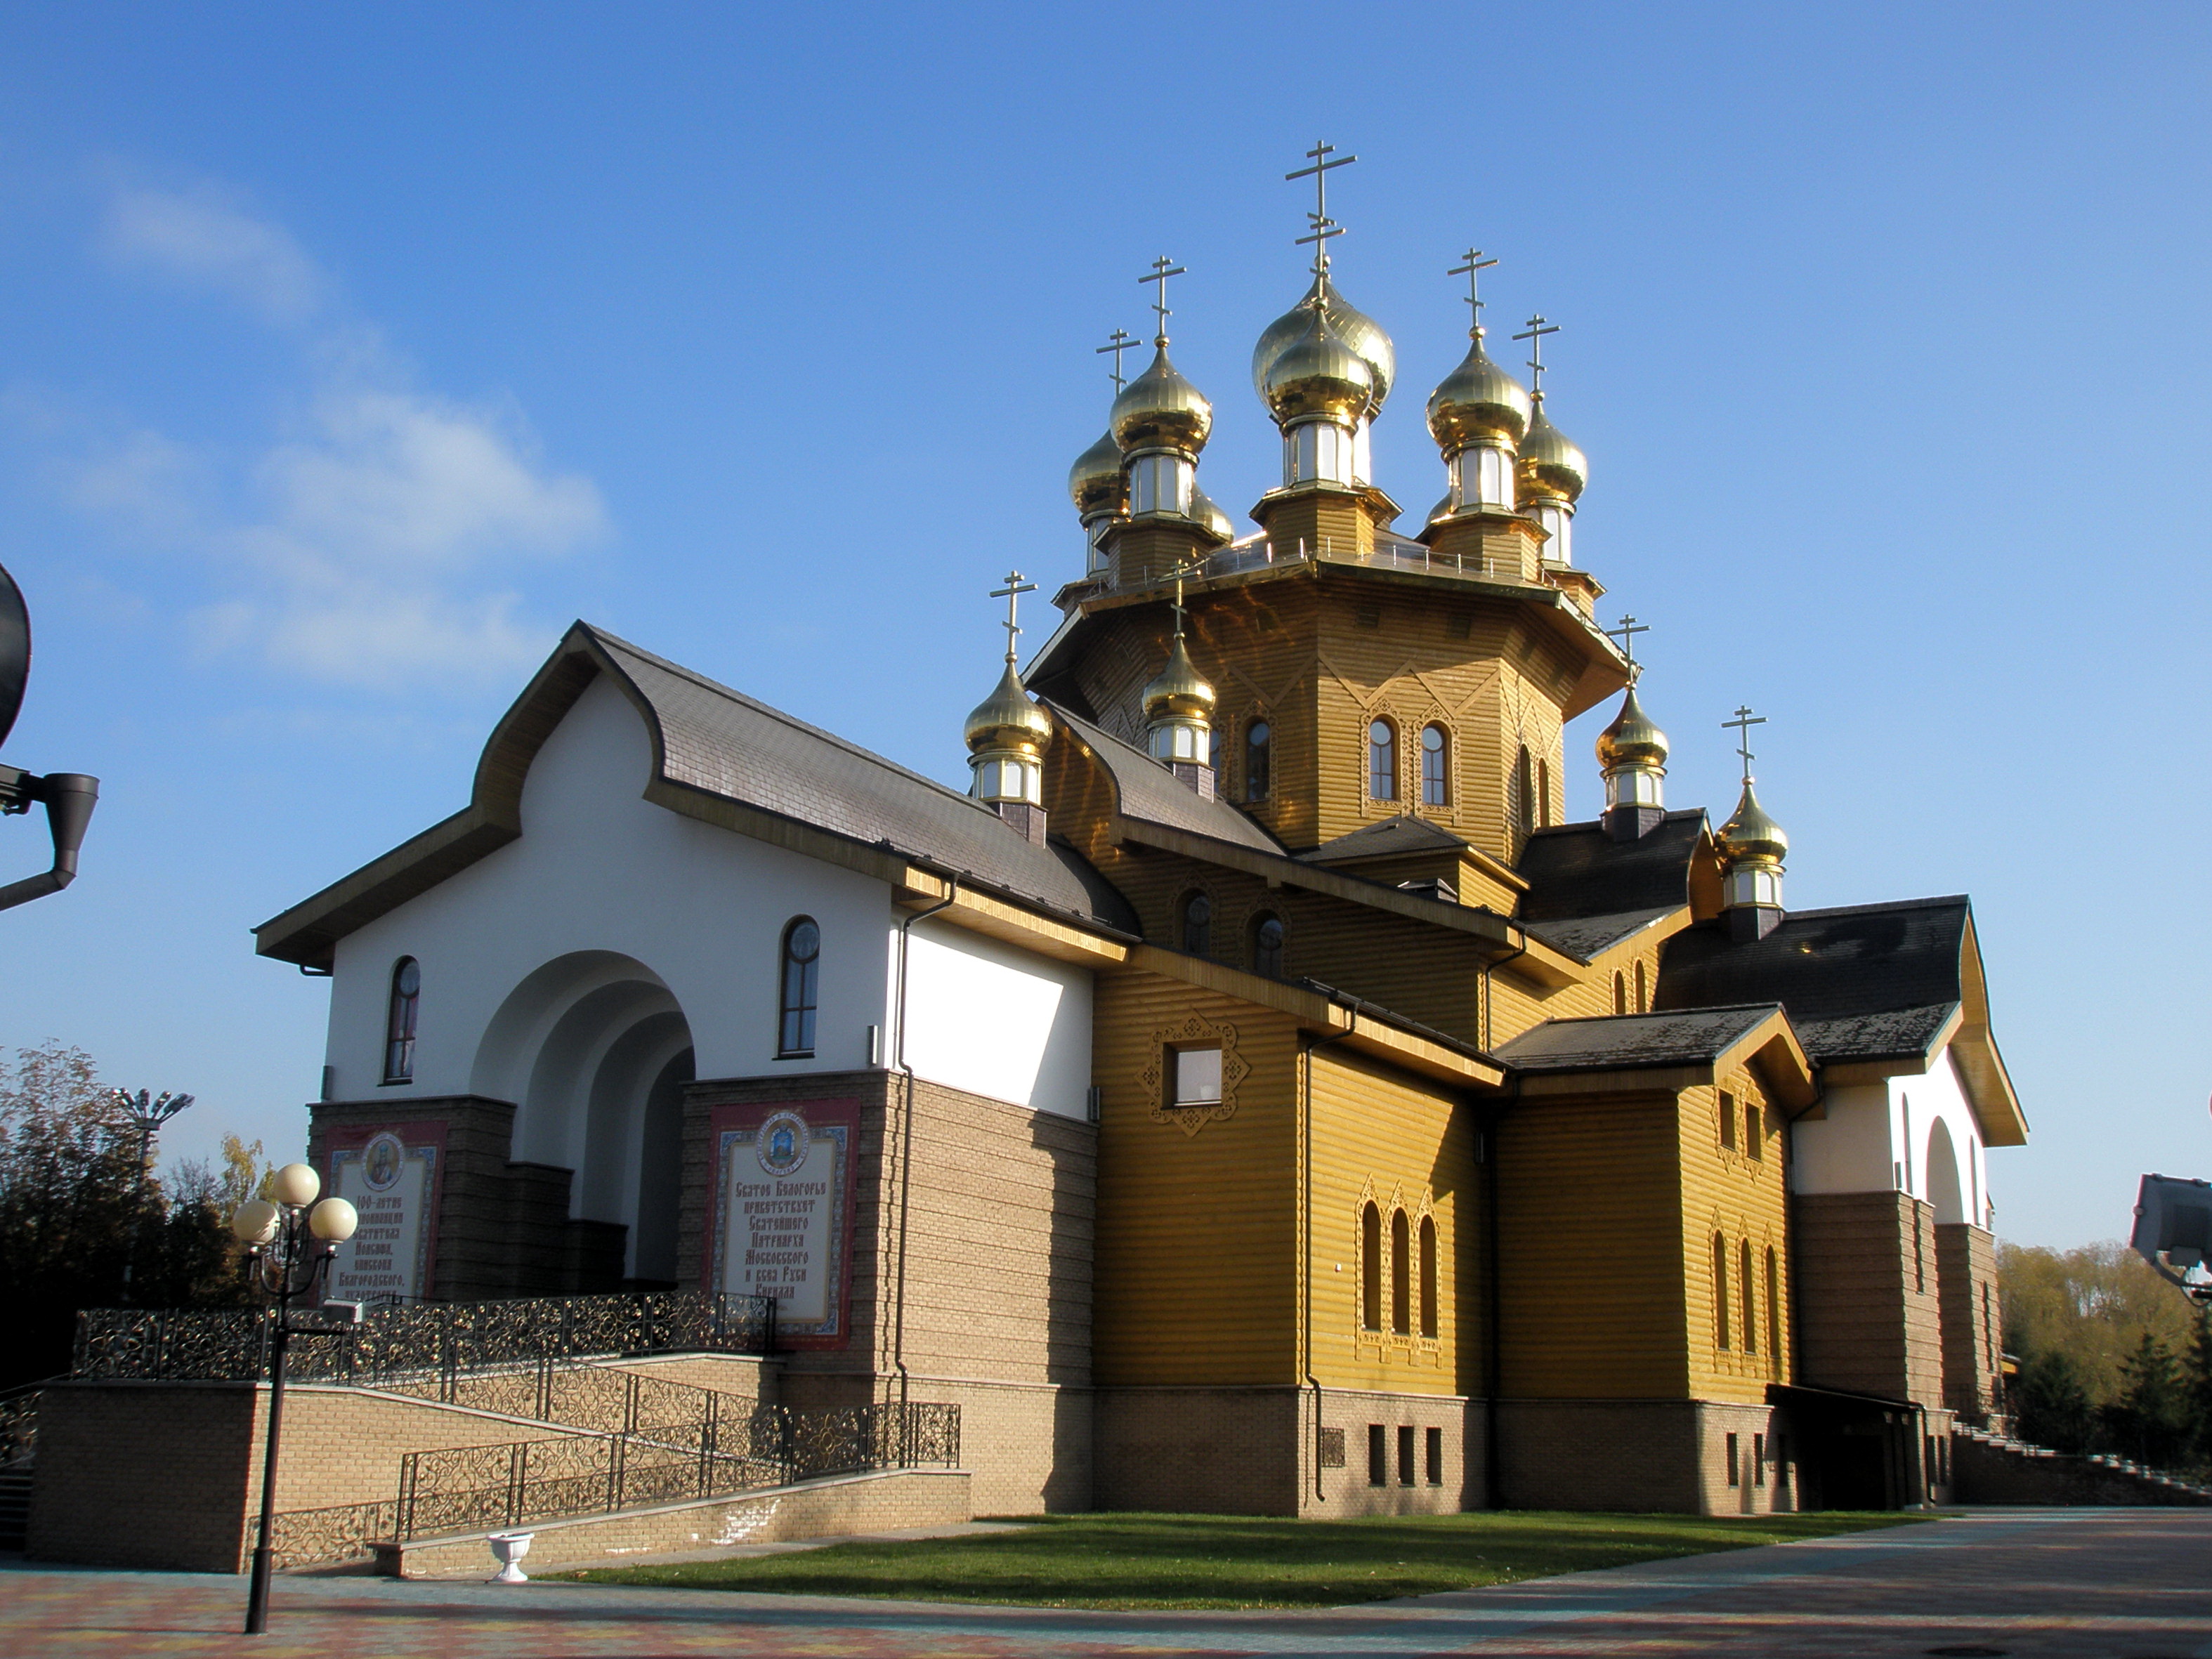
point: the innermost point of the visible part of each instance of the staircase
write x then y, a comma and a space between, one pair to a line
15, 1506
1995, 1468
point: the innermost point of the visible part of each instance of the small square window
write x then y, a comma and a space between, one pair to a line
1197, 1077
1754, 1141
1332, 1449
1379, 1455
1727, 1119
1436, 1451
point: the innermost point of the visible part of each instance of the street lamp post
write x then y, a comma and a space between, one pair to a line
289, 1246
150, 1112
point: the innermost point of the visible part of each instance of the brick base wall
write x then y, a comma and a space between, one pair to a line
1868, 1312
1966, 1262
1644, 1455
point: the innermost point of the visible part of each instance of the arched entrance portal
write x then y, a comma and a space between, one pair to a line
594, 1051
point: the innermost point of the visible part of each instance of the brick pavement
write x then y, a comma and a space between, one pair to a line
2128, 1583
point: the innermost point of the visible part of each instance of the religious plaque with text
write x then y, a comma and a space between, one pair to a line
392, 1174
782, 1220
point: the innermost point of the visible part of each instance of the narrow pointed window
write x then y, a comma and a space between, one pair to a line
1402, 1289
1259, 760
802, 962
1750, 1303
1620, 994
1429, 1277
1382, 761
1370, 1268
1543, 794
1434, 756
1773, 1313
1720, 1293
399, 1021
1642, 992
1267, 945
1524, 790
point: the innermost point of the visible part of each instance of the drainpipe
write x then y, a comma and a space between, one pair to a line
1488, 967
906, 1156
1306, 1048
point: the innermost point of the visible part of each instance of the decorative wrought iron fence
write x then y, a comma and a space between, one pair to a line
410, 1342
307, 1537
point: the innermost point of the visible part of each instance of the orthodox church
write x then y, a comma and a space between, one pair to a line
1250, 1097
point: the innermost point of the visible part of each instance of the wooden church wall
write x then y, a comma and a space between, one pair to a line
1743, 1198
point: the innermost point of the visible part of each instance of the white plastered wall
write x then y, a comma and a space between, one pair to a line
1912, 1134
995, 1020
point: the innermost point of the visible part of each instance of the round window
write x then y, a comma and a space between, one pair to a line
409, 981
806, 942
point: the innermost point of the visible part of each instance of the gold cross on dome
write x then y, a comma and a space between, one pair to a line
1012, 594
1624, 637
1163, 268
1538, 326
1186, 568
1322, 230
1472, 270
1742, 724
1319, 172
1117, 343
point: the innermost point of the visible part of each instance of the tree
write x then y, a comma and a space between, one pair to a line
2051, 1404
2147, 1421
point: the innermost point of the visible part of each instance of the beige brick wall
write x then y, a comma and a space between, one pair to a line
1867, 1306
1222, 1451
1351, 1490
1967, 1261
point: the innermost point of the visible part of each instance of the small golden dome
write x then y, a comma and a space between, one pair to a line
1353, 325
1160, 410
1179, 693
1441, 510
1552, 467
1205, 510
1750, 834
1632, 739
1008, 720
1318, 374
1097, 481
1477, 401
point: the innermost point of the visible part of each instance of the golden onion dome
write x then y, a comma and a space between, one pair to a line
1750, 834
1477, 401
1097, 481
1442, 510
1318, 375
1632, 739
1552, 467
1207, 512
1179, 692
1008, 720
1353, 325
1160, 410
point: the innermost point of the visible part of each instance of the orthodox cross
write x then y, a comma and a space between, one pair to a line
1742, 724
1538, 328
1472, 270
1012, 594
1319, 172
1323, 228
1625, 636
1162, 270
1188, 568
1121, 340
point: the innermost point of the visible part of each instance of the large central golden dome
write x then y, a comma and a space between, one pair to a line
1354, 326
1160, 410
1477, 401
1319, 374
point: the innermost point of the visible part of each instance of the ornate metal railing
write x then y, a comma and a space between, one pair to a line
409, 1343
306, 1538
19, 1426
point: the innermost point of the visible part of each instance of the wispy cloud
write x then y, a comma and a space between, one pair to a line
371, 541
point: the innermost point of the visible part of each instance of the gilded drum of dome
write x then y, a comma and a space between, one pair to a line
1097, 481
1477, 402
1750, 834
1179, 692
1354, 326
1160, 410
1319, 376
1551, 463
1008, 720
1632, 739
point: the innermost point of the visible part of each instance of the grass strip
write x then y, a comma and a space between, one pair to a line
1127, 1561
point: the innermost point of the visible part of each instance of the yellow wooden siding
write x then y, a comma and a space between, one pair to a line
1743, 1198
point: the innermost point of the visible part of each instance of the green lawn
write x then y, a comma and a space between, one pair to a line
1236, 1561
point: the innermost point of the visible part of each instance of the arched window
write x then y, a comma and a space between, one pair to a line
1720, 1293
1429, 1276
1382, 761
1750, 1303
1773, 1313
1544, 794
399, 1021
1370, 1268
1620, 994
1213, 750
1642, 992
802, 966
1524, 791
1259, 761
1267, 945
1197, 924
1402, 1273
1433, 756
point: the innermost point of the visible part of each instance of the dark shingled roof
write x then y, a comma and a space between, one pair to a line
1628, 1040
1584, 937
728, 744
1866, 982
1403, 834
1149, 792
1577, 871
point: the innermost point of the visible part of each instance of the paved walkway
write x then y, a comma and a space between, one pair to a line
2128, 1583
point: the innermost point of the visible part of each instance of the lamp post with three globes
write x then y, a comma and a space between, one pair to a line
290, 1247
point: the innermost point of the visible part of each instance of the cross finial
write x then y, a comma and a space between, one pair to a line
1188, 567
1012, 594
1625, 636
1117, 343
1163, 268
1742, 724
1472, 270
1323, 226
1538, 326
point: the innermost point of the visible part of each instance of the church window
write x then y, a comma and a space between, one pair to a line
802, 965
1435, 1459
1758, 1460
1919, 1254
1727, 1119
1197, 924
1433, 756
1197, 1077
399, 1021
1379, 1455
1267, 945
1643, 991
1429, 1279
1405, 1454
1754, 1140
1382, 761
1733, 1477
1524, 791
1750, 1294
1773, 1313
1258, 758
1371, 1270
1213, 752
1401, 1288
1544, 794
1720, 1293
1620, 994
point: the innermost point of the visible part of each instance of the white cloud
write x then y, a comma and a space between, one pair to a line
203, 235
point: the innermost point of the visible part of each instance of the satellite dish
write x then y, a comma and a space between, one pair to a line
15, 650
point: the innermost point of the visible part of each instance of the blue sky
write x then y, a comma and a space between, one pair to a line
348, 352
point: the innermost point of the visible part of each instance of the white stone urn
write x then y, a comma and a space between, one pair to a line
510, 1547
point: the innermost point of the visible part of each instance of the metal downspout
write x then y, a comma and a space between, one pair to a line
906, 1151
